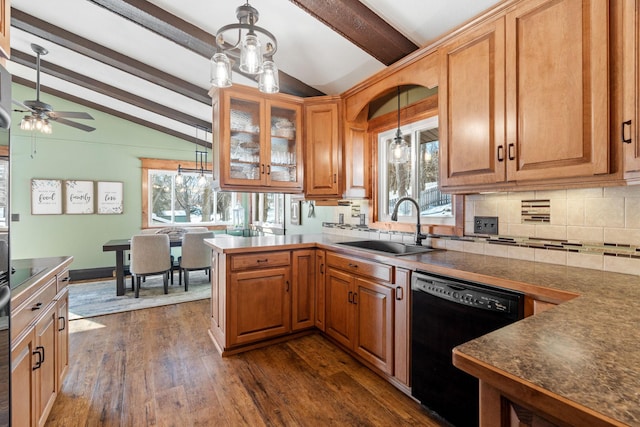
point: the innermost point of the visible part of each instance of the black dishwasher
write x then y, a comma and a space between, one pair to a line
447, 312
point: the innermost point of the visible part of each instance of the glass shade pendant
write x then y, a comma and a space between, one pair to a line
398, 150
251, 55
269, 80
220, 70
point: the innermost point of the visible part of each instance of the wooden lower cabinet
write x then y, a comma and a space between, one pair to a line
303, 289
260, 304
321, 269
39, 352
62, 348
359, 315
260, 296
23, 381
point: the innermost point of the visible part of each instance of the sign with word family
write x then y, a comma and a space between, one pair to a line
46, 196
109, 198
78, 197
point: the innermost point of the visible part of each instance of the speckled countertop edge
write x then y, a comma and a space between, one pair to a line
585, 350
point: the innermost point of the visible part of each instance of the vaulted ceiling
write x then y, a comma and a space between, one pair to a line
148, 61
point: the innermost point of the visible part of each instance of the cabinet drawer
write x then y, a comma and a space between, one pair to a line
360, 266
260, 260
63, 280
31, 308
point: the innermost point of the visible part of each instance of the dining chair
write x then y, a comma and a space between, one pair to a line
196, 255
150, 255
197, 229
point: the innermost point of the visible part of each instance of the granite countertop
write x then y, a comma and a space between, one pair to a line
585, 350
41, 271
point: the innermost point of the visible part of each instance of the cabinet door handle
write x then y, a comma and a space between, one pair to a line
335, 178
39, 353
624, 124
500, 153
399, 293
268, 169
355, 298
353, 265
287, 289
350, 297
322, 268
66, 279
511, 148
262, 168
36, 306
64, 323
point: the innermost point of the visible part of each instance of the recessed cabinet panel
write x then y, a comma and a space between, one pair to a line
323, 150
472, 116
557, 94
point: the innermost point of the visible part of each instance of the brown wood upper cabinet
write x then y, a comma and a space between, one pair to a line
322, 148
524, 97
630, 55
258, 140
5, 26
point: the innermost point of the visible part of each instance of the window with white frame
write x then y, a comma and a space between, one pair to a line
416, 178
189, 202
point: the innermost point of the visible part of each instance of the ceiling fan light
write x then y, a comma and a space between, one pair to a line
39, 124
25, 123
220, 70
46, 128
269, 80
251, 55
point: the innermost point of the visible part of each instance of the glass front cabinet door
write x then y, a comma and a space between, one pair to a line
259, 141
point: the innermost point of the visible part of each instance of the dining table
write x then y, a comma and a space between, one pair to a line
120, 246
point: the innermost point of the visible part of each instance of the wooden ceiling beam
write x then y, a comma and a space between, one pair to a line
66, 39
189, 36
105, 89
110, 111
362, 26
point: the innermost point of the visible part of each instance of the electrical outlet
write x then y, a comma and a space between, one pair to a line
485, 224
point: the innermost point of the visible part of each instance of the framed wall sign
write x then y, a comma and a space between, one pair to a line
109, 197
78, 197
46, 196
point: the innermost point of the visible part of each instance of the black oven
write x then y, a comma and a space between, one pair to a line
5, 289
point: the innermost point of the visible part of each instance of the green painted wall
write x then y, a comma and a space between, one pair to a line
110, 153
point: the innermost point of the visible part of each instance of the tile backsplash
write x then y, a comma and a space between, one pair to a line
594, 228
597, 228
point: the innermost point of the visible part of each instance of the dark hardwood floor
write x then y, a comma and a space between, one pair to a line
158, 367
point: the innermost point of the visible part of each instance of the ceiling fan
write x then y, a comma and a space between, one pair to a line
42, 113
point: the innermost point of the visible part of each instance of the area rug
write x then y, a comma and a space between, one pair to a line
99, 298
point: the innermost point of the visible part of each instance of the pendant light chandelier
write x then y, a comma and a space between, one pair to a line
399, 151
201, 165
242, 41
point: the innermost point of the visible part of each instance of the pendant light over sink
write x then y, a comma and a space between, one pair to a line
247, 40
399, 151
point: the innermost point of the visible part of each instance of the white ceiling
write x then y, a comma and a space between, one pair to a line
307, 49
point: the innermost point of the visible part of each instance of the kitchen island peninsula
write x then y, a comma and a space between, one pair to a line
572, 364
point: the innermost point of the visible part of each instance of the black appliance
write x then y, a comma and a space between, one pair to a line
5, 289
447, 312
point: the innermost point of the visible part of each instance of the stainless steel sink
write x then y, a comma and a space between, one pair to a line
387, 247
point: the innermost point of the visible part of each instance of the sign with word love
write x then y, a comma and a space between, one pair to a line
109, 198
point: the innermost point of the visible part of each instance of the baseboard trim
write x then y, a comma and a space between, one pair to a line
95, 273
